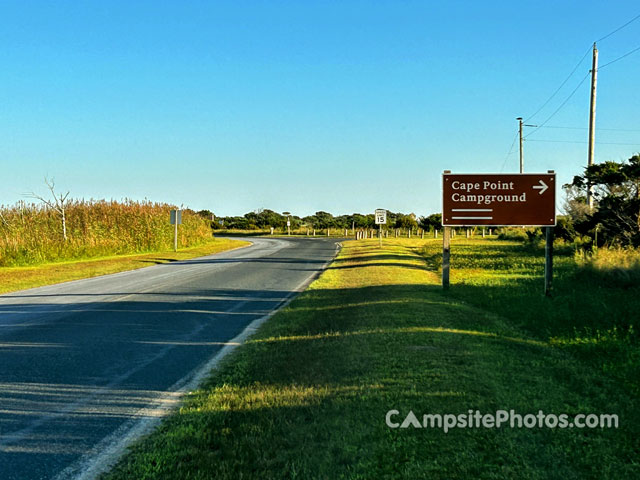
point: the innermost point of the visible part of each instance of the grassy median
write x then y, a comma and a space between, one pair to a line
20, 278
307, 396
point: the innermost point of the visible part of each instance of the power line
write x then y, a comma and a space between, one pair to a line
581, 142
560, 87
619, 58
619, 28
561, 105
510, 152
599, 128
580, 62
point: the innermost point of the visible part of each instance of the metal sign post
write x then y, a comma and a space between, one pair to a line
478, 199
548, 263
175, 219
381, 219
446, 256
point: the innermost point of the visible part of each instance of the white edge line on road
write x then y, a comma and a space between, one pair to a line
109, 450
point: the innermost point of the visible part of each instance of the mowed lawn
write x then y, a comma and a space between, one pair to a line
307, 396
20, 278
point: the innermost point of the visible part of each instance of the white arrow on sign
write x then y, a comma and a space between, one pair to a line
542, 187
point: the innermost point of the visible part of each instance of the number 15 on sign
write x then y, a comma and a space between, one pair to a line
381, 219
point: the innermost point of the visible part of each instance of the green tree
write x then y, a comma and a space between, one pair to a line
406, 221
616, 191
266, 218
324, 220
431, 222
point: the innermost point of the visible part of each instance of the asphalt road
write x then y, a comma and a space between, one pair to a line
85, 364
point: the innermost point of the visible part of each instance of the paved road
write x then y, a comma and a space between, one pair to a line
84, 363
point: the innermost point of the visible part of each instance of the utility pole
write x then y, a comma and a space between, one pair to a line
521, 153
592, 120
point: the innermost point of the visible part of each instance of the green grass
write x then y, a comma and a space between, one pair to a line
19, 278
306, 397
593, 311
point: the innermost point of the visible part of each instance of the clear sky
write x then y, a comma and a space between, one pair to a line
343, 106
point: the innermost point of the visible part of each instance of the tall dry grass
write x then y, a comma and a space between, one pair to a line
620, 266
32, 233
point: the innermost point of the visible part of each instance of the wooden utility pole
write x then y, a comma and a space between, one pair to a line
592, 120
521, 153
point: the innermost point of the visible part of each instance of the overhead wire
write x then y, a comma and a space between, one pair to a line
560, 87
582, 142
599, 128
560, 107
510, 152
543, 124
619, 58
619, 28
582, 60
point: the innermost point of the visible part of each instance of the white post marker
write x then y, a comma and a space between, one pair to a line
381, 219
175, 219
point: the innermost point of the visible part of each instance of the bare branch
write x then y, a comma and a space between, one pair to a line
58, 204
35, 196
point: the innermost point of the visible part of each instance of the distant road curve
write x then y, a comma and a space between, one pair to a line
88, 365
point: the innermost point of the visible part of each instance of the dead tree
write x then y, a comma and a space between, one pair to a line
59, 203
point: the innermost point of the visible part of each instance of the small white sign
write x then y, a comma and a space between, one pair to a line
381, 216
176, 217
288, 223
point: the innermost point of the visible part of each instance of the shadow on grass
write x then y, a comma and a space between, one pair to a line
307, 397
309, 392
378, 264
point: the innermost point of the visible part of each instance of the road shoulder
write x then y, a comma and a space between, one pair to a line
13, 279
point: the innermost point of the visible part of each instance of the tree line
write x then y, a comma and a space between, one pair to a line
614, 220
264, 219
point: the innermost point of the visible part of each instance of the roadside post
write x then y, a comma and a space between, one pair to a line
381, 219
548, 261
481, 200
175, 219
288, 222
446, 256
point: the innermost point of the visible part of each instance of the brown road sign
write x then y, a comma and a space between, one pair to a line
499, 199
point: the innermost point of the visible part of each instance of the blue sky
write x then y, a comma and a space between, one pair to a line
341, 106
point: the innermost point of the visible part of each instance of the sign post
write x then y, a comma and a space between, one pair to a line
175, 219
446, 256
478, 199
548, 263
381, 219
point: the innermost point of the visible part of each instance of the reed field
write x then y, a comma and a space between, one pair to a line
31, 234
